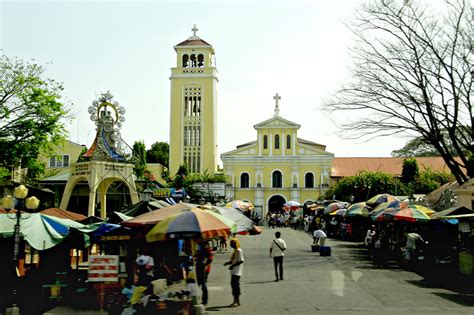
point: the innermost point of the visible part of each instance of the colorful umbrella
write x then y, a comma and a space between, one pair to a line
360, 209
339, 212
335, 206
291, 205
409, 214
244, 224
380, 198
190, 224
155, 216
240, 205
394, 204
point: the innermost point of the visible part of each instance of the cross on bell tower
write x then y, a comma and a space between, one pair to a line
194, 29
277, 110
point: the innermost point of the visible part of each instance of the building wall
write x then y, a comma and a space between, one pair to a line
68, 148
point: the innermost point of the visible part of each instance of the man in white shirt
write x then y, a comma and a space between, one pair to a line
276, 251
319, 236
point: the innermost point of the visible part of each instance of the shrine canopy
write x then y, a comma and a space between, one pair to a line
64, 214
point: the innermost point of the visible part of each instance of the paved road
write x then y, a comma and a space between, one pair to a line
344, 283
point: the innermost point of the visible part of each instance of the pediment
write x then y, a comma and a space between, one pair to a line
245, 150
277, 122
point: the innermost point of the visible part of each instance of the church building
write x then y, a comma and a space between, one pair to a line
193, 136
278, 166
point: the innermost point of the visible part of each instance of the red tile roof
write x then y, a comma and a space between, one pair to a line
350, 166
194, 42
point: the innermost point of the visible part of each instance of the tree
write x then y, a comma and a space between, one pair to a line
158, 153
412, 74
139, 156
415, 147
31, 114
410, 171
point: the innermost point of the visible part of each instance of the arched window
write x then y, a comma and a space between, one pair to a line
277, 141
200, 60
185, 61
277, 179
265, 142
244, 180
288, 141
309, 180
193, 61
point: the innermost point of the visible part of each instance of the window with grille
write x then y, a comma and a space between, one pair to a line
59, 161
244, 180
277, 179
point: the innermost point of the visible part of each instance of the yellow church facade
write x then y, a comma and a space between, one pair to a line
277, 167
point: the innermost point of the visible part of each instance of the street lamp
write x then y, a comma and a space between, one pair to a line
146, 194
19, 193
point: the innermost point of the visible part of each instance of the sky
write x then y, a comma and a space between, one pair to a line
296, 48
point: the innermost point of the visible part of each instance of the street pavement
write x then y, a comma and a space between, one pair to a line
345, 283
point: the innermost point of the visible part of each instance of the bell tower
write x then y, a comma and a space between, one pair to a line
193, 140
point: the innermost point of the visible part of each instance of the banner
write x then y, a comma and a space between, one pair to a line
103, 268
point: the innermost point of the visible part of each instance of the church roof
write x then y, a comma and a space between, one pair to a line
271, 123
246, 144
351, 166
194, 41
303, 141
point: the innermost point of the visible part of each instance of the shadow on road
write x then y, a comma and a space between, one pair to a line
260, 282
461, 299
217, 308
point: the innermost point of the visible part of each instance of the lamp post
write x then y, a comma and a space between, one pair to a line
20, 192
146, 194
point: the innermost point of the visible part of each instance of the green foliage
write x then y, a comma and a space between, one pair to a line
139, 156
362, 186
31, 114
367, 184
81, 157
410, 170
429, 181
416, 147
158, 153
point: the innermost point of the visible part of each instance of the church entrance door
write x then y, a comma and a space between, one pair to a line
275, 204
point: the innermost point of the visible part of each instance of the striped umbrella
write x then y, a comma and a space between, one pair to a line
380, 198
360, 209
394, 204
412, 213
335, 206
339, 212
191, 224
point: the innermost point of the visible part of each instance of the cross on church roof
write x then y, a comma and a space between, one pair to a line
194, 29
277, 110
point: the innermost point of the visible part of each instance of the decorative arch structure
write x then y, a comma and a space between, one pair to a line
99, 175
107, 163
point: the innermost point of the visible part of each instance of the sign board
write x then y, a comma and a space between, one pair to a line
103, 268
169, 192
210, 189
464, 227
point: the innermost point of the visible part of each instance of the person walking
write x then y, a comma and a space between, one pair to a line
236, 268
203, 268
277, 248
